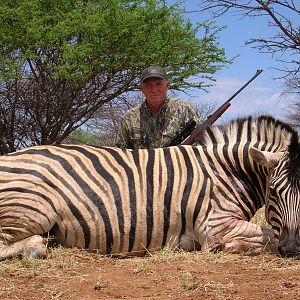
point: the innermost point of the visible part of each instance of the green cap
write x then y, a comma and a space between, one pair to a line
153, 71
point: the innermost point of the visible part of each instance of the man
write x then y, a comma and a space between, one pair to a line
157, 119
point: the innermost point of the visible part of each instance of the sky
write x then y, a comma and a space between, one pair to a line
263, 95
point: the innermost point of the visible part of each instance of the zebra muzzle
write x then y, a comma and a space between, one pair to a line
289, 244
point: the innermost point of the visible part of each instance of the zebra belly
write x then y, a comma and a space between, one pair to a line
24, 214
103, 206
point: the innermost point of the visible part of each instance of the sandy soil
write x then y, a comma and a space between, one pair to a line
74, 274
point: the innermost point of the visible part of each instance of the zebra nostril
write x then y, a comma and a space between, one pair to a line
288, 251
280, 251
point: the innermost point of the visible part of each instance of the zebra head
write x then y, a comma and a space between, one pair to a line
283, 195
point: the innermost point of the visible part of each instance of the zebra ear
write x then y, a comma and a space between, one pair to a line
265, 158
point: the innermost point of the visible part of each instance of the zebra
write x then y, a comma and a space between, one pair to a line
120, 201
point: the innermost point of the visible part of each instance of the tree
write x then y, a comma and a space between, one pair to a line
284, 45
283, 16
62, 60
292, 86
102, 128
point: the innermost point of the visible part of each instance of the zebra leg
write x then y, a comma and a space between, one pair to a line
242, 236
237, 236
20, 231
228, 230
30, 247
189, 242
22, 223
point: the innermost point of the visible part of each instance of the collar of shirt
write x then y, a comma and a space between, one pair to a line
145, 108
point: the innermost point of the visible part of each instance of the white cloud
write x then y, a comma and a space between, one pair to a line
226, 83
256, 98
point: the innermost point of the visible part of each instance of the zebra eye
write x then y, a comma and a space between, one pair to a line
273, 192
271, 186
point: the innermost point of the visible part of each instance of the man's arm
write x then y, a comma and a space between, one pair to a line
123, 136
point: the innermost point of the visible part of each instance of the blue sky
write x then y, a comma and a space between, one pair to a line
262, 96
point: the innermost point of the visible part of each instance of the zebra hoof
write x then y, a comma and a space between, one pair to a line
31, 252
217, 248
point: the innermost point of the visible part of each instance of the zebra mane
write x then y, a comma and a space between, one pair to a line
264, 132
261, 130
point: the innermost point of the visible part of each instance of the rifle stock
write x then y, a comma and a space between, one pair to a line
196, 134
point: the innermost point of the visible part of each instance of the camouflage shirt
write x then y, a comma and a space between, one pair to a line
140, 128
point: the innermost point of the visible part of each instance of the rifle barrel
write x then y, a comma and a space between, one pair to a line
196, 134
242, 87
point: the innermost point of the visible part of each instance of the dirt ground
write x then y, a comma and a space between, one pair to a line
73, 274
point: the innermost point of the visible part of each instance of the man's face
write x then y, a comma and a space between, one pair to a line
155, 90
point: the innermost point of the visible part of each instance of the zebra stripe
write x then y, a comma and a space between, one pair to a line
125, 201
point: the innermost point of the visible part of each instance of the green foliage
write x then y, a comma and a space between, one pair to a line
61, 60
77, 39
82, 137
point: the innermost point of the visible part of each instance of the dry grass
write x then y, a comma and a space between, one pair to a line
176, 272
199, 273
61, 258
260, 219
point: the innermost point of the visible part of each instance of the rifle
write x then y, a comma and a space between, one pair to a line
194, 135
182, 134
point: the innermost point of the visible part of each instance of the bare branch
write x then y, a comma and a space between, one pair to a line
284, 45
